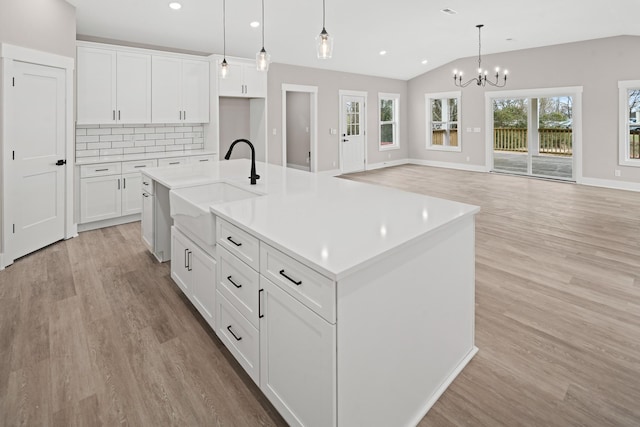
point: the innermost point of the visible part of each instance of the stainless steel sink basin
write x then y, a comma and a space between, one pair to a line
189, 207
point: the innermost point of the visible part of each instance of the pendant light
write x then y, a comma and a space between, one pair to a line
324, 42
224, 67
262, 57
481, 80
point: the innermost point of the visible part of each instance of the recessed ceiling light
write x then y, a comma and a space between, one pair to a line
383, 52
448, 11
424, 61
254, 24
175, 5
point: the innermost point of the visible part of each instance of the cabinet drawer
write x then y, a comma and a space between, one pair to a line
306, 285
239, 283
101, 169
135, 166
239, 336
173, 161
238, 242
202, 159
147, 185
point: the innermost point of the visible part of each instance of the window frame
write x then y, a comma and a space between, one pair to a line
395, 97
428, 97
624, 158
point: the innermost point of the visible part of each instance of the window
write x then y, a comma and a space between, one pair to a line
443, 112
389, 108
629, 133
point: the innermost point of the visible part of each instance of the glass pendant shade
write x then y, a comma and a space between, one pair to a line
224, 69
324, 45
262, 60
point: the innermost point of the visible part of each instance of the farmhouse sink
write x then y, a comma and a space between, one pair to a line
189, 207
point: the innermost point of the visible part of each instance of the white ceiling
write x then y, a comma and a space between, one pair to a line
409, 30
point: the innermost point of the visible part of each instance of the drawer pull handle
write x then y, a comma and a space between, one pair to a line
174, 163
233, 283
145, 195
203, 160
145, 183
186, 258
139, 166
260, 315
297, 283
232, 241
234, 335
102, 170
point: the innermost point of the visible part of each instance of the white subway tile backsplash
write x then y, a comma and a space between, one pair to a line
154, 149
93, 138
145, 130
98, 145
111, 152
108, 140
175, 135
121, 131
122, 144
99, 131
134, 150
87, 153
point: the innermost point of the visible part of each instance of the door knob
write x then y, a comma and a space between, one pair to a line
61, 162
345, 140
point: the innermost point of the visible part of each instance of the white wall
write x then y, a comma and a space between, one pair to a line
235, 116
329, 83
596, 65
46, 25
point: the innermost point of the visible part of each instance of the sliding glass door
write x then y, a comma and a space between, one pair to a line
534, 136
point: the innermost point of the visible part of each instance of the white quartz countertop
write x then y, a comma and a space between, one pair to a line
141, 156
333, 225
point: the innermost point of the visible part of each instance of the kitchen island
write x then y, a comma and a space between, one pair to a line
347, 303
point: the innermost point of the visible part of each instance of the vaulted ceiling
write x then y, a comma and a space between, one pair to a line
410, 31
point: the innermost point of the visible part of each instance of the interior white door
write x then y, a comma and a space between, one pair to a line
352, 129
37, 141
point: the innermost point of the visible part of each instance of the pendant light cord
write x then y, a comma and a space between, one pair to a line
224, 29
479, 49
263, 24
324, 8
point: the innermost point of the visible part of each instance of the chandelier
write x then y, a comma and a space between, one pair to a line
481, 80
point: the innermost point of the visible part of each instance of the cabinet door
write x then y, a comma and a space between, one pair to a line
133, 88
147, 222
203, 283
96, 86
180, 257
233, 84
297, 359
100, 198
131, 193
195, 91
165, 90
255, 82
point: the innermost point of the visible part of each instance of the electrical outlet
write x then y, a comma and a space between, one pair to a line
389, 156
275, 132
468, 158
616, 172
306, 129
476, 130
468, 130
333, 132
334, 164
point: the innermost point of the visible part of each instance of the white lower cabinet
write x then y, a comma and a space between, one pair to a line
131, 200
195, 272
100, 198
147, 223
297, 359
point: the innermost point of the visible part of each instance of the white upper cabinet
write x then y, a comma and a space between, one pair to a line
180, 90
243, 80
113, 87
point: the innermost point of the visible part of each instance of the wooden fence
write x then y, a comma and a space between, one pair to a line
552, 141
438, 137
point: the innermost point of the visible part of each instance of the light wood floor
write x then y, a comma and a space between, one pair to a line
94, 332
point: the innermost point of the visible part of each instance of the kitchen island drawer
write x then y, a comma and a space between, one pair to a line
238, 242
239, 283
303, 283
173, 161
239, 336
101, 169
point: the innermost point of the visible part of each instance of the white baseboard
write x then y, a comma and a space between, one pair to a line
108, 222
299, 167
387, 164
448, 165
609, 183
332, 172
